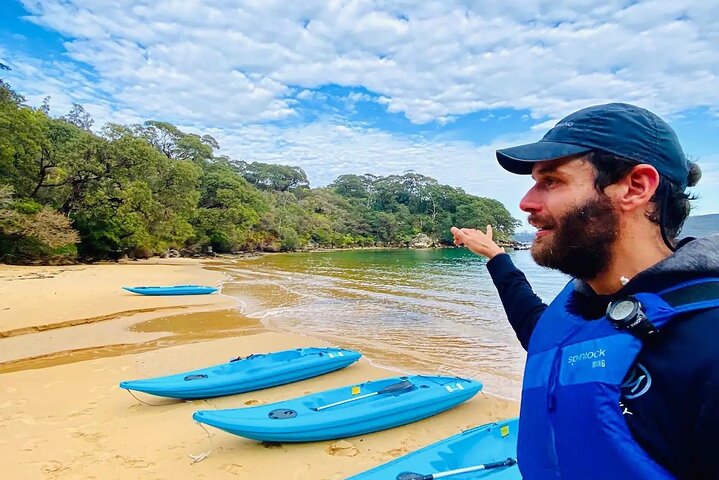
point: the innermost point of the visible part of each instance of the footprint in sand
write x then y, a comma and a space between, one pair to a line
235, 469
396, 452
53, 466
342, 448
134, 462
96, 437
84, 411
138, 464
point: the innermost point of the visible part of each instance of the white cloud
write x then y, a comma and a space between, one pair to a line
220, 61
233, 69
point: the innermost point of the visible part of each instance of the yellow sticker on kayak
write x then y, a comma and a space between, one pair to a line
355, 390
504, 430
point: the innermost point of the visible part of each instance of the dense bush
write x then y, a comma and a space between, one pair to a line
139, 190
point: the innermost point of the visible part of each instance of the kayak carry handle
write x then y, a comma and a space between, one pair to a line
403, 386
459, 471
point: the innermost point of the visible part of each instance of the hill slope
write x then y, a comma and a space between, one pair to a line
701, 225
695, 226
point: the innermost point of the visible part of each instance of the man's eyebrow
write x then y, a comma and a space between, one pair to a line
545, 169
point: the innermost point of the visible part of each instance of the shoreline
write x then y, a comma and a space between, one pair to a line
92, 429
205, 257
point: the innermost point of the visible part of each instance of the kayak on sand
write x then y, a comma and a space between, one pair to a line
487, 451
345, 412
254, 372
173, 290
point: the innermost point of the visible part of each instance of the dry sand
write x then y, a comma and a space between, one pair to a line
67, 419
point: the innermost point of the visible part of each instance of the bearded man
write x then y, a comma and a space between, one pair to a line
622, 372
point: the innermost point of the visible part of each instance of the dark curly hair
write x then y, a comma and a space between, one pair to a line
672, 202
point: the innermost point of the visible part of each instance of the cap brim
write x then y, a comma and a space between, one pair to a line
520, 159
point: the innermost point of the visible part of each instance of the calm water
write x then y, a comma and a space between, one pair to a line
411, 310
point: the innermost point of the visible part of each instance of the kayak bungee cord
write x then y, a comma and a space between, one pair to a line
146, 403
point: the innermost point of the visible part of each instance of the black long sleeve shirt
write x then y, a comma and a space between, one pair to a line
677, 419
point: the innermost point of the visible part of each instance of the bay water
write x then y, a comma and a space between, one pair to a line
414, 311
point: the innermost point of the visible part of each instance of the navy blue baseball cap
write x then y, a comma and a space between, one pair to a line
617, 128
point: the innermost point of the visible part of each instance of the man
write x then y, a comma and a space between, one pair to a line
622, 374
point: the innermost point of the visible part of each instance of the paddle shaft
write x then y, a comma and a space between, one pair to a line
395, 387
450, 473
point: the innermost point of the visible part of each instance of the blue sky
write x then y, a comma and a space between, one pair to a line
376, 87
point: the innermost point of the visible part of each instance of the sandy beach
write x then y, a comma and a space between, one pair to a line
69, 335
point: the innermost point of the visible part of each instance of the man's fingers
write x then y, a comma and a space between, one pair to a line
459, 235
489, 231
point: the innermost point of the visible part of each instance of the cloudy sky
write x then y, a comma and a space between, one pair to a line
376, 87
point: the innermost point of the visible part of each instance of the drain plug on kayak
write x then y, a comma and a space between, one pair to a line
282, 413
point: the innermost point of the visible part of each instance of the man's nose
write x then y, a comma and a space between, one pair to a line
530, 202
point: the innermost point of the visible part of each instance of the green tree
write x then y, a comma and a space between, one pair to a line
78, 117
175, 143
140, 189
273, 177
229, 208
24, 144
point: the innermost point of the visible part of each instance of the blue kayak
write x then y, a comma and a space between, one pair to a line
246, 374
173, 290
345, 412
489, 444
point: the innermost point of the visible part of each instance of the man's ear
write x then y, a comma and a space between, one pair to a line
636, 189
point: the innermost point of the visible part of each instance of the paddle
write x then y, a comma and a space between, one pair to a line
450, 473
394, 388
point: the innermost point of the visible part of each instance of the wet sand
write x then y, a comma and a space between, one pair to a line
70, 335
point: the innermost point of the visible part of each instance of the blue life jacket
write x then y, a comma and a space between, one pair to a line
571, 423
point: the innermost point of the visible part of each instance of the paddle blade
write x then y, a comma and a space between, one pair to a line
397, 387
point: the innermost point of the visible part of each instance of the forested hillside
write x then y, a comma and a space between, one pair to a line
69, 192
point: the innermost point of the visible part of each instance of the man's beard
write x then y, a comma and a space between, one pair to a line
581, 241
